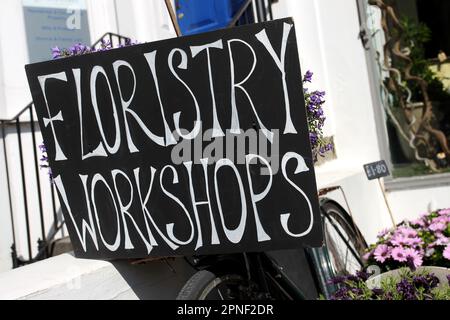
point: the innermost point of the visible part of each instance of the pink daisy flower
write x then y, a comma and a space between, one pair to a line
413, 241
446, 252
406, 232
418, 222
437, 226
415, 256
382, 233
381, 253
441, 241
399, 254
444, 212
403, 240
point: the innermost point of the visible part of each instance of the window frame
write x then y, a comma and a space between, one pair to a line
391, 183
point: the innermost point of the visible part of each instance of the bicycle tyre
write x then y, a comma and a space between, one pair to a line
343, 223
202, 283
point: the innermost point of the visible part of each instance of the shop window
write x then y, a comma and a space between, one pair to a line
50, 23
411, 41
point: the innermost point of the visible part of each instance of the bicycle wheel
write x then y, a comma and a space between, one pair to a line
205, 285
344, 242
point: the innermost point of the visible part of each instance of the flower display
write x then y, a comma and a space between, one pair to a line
314, 101
409, 286
80, 49
44, 159
425, 241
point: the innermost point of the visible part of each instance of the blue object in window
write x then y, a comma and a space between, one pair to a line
197, 16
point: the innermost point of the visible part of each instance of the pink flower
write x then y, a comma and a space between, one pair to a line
382, 233
437, 226
441, 241
402, 240
425, 215
418, 222
381, 253
406, 232
444, 212
367, 255
414, 241
398, 254
415, 256
398, 240
438, 219
446, 252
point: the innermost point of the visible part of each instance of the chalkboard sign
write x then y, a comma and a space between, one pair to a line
376, 170
193, 145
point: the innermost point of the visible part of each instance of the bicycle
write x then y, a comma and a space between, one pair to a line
261, 276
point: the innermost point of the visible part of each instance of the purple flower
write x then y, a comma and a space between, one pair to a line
42, 147
363, 275
426, 282
313, 138
308, 76
56, 53
407, 290
433, 281
377, 292
337, 280
381, 253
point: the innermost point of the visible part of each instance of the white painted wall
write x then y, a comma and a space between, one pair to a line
327, 34
14, 56
144, 20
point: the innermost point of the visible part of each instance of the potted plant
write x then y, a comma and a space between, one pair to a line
406, 285
422, 244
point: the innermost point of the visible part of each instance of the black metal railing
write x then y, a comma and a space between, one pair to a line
114, 39
13, 132
18, 127
252, 11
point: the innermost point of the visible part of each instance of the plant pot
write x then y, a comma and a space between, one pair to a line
440, 272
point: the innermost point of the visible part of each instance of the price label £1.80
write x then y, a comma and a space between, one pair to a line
376, 170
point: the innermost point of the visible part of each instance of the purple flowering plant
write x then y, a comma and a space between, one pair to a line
425, 241
80, 49
314, 102
410, 285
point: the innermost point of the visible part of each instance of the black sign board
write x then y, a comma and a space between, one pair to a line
139, 140
376, 170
